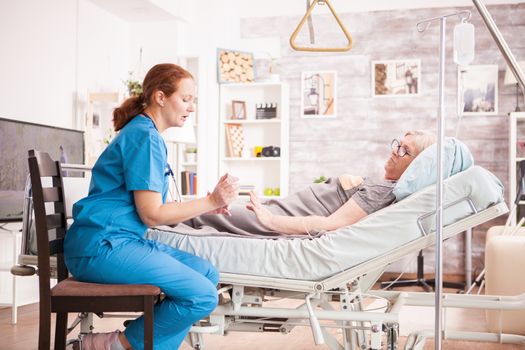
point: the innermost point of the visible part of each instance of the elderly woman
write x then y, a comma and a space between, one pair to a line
336, 203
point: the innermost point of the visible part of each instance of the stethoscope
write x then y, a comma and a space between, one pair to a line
168, 172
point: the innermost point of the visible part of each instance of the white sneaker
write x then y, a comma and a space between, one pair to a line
97, 341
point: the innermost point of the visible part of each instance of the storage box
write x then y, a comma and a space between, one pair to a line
505, 275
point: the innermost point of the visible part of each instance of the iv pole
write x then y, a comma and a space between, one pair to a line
438, 286
520, 78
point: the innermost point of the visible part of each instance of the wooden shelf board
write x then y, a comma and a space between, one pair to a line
250, 159
252, 121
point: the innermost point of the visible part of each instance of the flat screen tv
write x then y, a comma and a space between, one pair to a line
16, 138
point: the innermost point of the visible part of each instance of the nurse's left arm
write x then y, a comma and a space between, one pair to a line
154, 213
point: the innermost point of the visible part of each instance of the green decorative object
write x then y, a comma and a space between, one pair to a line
268, 191
277, 191
320, 179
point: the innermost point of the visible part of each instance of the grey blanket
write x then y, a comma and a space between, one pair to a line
318, 199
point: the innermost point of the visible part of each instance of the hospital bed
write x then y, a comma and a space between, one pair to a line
333, 274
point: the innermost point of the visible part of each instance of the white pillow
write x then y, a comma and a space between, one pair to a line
422, 172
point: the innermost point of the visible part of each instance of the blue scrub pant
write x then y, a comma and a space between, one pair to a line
188, 281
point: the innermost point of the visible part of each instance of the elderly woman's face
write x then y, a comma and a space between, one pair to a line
403, 153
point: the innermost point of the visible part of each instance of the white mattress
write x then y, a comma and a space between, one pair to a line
333, 252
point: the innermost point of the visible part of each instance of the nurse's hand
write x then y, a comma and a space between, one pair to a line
220, 211
225, 192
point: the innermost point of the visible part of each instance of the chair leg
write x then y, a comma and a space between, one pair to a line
44, 327
149, 302
61, 331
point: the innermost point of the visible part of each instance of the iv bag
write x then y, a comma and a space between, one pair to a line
464, 42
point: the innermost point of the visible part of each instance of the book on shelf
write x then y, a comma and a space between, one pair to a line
194, 183
188, 182
183, 183
190, 188
244, 190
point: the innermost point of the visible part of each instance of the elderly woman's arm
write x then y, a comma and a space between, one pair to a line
346, 215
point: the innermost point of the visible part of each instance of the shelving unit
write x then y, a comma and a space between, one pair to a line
98, 124
178, 141
263, 173
516, 133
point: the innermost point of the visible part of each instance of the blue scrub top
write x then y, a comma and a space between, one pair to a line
135, 160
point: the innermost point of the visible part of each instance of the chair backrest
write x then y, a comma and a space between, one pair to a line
41, 166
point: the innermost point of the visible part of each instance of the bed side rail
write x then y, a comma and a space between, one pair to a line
449, 205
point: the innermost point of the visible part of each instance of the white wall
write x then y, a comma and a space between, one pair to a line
161, 42
103, 43
53, 49
37, 63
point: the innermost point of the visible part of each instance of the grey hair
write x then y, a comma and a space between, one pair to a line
422, 139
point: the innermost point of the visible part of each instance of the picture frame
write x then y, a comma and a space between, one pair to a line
235, 66
318, 94
238, 110
478, 90
235, 140
394, 78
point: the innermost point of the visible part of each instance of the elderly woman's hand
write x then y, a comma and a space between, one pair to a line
263, 214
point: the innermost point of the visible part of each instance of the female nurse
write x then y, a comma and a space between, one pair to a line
127, 195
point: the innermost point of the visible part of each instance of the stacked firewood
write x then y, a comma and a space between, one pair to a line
236, 67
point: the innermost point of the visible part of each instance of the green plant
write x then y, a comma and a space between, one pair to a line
320, 179
191, 149
109, 136
134, 86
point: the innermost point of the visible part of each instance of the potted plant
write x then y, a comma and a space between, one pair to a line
191, 154
134, 86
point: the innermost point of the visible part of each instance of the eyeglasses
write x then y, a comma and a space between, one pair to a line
401, 151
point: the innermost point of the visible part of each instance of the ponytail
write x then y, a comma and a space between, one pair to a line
127, 111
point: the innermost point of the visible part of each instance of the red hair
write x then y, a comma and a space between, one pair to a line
163, 77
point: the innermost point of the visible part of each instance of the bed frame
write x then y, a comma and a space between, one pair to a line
243, 297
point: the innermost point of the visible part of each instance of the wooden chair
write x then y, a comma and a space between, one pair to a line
69, 295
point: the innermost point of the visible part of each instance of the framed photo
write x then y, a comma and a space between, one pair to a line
318, 94
238, 110
235, 66
396, 78
234, 139
96, 120
478, 90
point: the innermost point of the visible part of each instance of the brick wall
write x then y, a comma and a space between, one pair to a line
358, 140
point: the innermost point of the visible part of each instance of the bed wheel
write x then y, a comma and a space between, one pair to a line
194, 340
392, 336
